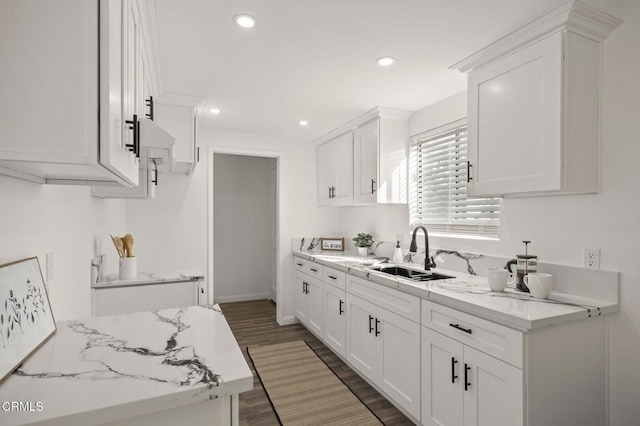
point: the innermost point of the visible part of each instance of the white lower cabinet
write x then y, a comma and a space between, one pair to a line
446, 367
301, 299
334, 333
385, 347
361, 338
308, 302
463, 386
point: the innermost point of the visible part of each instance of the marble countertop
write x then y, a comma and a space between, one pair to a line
105, 369
471, 294
145, 278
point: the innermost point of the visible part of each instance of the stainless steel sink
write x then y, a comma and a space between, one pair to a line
411, 274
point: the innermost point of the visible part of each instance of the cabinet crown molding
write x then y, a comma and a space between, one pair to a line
396, 114
575, 16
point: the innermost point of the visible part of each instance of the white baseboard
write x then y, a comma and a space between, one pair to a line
288, 320
241, 297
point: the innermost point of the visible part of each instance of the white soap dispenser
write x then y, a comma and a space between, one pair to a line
397, 254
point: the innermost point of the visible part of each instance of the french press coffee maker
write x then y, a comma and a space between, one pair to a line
525, 263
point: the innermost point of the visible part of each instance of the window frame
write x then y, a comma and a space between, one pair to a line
486, 225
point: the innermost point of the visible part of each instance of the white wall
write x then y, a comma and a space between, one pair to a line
561, 226
242, 224
66, 220
171, 231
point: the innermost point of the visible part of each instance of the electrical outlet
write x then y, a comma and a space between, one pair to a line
592, 258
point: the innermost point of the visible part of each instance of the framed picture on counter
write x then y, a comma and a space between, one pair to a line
26, 320
333, 244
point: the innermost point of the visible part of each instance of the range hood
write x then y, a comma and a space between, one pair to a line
156, 144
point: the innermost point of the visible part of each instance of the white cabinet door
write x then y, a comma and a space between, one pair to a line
365, 153
334, 319
442, 389
399, 359
515, 122
343, 157
114, 131
67, 54
301, 299
315, 289
361, 339
326, 174
335, 171
494, 391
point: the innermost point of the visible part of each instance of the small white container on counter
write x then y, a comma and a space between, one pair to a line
128, 268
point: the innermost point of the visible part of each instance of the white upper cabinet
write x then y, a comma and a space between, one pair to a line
376, 169
380, 158
335, 171
180, 122
534, 106
66, 92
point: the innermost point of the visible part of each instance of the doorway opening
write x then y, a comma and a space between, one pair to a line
244, 221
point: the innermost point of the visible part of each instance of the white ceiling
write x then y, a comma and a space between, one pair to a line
315, 59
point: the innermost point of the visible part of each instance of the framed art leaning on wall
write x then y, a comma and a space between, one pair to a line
26, 319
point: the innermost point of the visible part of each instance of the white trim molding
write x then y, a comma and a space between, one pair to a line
575, 16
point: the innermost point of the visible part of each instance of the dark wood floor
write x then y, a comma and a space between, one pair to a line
253, 324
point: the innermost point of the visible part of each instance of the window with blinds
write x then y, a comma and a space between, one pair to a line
438, 194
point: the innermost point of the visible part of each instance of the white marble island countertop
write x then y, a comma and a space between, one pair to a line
471, 294
105, 369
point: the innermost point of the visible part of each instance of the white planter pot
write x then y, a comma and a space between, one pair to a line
362, 251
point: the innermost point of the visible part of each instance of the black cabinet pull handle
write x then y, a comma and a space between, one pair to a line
370, 325
313, 270
373, 186
149, 103
329, 192
466, 330
305, 289
135, 126
197, 154
466, 377
377, 322
453, 370
469, 178
333, 277
340, 310
299, 264
155, 173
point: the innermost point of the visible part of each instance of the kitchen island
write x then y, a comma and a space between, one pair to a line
175, 366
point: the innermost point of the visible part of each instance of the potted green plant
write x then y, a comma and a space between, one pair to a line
363, 241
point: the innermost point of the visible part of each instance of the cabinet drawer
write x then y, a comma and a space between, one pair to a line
496, 340
334, 277
314, 269
395, 301
299, 263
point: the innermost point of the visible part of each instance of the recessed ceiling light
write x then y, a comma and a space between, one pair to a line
303, 122
245, 21
386, 61
215, 111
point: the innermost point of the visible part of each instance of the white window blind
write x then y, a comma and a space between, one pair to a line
438, 191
